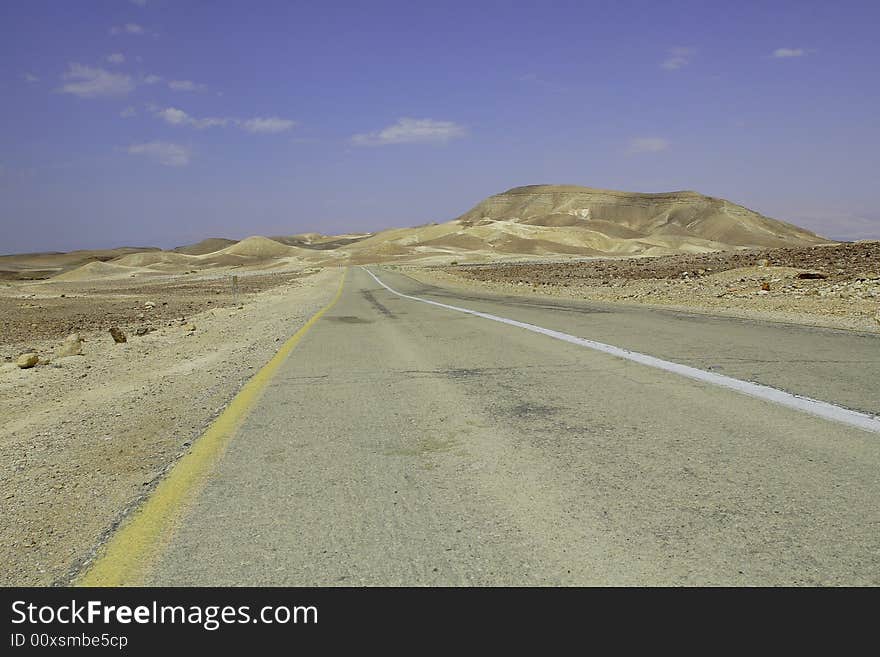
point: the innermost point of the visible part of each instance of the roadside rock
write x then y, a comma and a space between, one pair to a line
118, 335
26, 361
72, 346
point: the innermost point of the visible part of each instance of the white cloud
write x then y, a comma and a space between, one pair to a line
789, 52
30, 77
139, 3
677, 57
184, 85
152, 79
116, 58
165, 153
647, 145
411, 131
128, 112
128, 28
87, 82
269, 124
175, 116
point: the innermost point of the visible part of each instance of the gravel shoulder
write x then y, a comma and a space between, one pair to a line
85, 438
828, 286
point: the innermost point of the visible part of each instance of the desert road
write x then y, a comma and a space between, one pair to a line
405, 443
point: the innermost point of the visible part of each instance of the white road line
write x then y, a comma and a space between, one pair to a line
805, 404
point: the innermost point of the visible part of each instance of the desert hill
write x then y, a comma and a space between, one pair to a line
546, 220
555, 221
209, 245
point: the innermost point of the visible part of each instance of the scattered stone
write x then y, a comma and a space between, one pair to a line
26, 361
118, 335
765, 286
150, 305
72, 346
763, 262
811, 275
190, 328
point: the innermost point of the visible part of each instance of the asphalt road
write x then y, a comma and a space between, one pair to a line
405, 444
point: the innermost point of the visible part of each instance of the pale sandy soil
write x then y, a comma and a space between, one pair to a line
85, 438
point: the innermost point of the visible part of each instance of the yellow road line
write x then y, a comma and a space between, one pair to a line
141, 538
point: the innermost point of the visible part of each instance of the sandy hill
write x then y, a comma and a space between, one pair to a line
548, 220
631, 215
29, 266
209, 245
524, 222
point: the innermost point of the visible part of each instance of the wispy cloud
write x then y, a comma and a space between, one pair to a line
647, 145
411, 131
185, 85
162, 152
128, 28
87, 82
128, 112
783, 53
269, 124
139, 3
116, 58
175, 116
152, 79
677, 57
30, 77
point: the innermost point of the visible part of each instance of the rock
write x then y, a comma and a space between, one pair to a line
765, 286
811, 275
877, 318
189, 328
26, 361
150, 304
118, 335
72, 346
763, 262
143, 330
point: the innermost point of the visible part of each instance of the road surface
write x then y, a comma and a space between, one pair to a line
402, 443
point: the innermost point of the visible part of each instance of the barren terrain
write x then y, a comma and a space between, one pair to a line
835, 286
85, 437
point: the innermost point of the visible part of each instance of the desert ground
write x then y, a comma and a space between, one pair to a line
836, 286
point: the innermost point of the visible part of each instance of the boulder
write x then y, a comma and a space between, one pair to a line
28, 360
118, 335
72, 346
811, 275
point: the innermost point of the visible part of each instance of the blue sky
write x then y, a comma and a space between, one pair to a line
161, 122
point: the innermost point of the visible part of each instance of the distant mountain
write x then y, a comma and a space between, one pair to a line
682, 219
548, 220
524, 222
